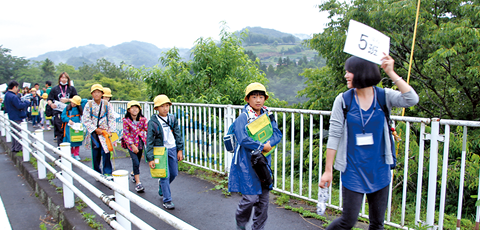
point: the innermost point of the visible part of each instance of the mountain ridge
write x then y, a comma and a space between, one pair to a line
138, 53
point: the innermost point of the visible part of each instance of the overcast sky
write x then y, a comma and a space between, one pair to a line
31, 27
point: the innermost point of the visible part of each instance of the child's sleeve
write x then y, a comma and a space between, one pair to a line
242, 136
126, 132
64, 116
178, 135
150, 142
87, 119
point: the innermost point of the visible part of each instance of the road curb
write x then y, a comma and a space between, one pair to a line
70, 218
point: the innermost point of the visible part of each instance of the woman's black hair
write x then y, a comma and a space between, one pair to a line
128, 115
256, 92
365, 73
79, 107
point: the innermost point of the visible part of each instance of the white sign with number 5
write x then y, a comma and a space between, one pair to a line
366, 42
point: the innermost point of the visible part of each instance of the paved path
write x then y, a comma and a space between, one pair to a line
18, 199
194, 200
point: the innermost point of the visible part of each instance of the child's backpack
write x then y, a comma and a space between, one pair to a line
229, 140
380, 95
156, 127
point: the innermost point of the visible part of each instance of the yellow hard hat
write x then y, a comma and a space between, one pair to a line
96, 87
160, 100
132, 103
255, 87
44, 95
77, 100
107, 92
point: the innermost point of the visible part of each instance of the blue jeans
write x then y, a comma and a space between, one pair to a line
35, 120
136, 161
97, 154
352, 202
164, 183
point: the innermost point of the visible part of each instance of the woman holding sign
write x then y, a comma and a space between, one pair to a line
365, 152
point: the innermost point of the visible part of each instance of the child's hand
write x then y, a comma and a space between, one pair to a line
266, 147
134, 149
151, 164
180, 155
70, 122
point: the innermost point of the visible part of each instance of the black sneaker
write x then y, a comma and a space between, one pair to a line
133, 178
139, 188
169, 205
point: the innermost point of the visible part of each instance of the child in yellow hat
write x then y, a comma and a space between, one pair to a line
243, 178
72, 114
163, 131
34, 108
98, 118
134, 138
45, 120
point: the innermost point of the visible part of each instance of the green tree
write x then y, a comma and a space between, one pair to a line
10, 66
217, 74
446, 64
48, 68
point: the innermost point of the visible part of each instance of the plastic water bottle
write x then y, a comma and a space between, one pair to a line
322, 201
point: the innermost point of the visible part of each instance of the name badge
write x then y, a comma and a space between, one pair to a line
364, 139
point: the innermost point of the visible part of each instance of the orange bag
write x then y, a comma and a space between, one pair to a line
107, 137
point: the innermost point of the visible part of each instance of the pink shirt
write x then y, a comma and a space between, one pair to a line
133, 132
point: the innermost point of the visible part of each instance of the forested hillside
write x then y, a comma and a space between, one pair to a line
282, 57
133, 53
282, 52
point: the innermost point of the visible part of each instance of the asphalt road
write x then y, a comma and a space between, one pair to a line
195, 202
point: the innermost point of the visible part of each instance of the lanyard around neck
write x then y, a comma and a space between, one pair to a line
64, 94
360, 108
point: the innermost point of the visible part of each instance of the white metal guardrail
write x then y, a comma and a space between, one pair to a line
203, 126
120, 202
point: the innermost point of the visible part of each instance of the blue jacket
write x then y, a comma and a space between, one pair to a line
16, 109
73, 115
242, 177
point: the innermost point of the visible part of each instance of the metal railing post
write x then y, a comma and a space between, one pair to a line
432, 174
147, 113
121, 178
8, 136
2, 120
24, 137
42, 170
68, 195
229, 118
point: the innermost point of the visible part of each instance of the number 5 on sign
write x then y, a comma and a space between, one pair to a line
365, 42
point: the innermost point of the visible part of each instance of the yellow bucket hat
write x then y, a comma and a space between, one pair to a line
96, 87
255, 87
160, 100
107, 92
77, 100
44, 95
132, 103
